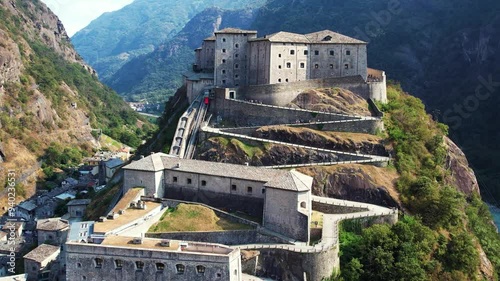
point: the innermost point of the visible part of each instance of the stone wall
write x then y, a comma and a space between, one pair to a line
370, 126
285, 265
81, 262
335, 209
225, 201
231, 237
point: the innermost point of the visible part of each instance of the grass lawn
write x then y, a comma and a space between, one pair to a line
187, 217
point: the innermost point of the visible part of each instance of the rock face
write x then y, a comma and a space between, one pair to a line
10, 60
332, 100
463, 176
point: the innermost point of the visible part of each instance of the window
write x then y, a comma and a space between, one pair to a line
188, 181
118, 264
160, 266
180, 268
139, 265
84, 277
306, 52
50, 237
303, 204
223, 39
302, 65
223, 71
223, 61
263, 190
346, 66
279, 80
249, 189
203, 183
348, 53
316, 53
33, 268
98, 262
236, 55
292, 52
200, 269
288, 65
219, 275
223, 81
235, 272
231, 95
233, 187
236, 66
279, 66
279, 55
236, 76
286, 80
236, 45
223, 50
332, 53
331, 66
174, 179
316, 66
79, 265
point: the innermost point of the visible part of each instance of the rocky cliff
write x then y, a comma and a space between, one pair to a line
48, 96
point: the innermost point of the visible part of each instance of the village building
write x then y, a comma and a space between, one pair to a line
76, 208
41, 263
52, 231
26, 210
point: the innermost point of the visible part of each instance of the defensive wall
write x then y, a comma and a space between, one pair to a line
227, 237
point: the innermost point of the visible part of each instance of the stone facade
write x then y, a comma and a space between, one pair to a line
39, 263
118, 258
220, 185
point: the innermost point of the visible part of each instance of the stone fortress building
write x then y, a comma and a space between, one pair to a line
237, 72
239, 60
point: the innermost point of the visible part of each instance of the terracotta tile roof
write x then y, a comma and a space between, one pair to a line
41, 253
329, 37
52, 224
231, 30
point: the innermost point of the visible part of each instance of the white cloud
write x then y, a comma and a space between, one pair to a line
77, 14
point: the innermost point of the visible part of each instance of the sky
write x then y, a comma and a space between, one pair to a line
77, 14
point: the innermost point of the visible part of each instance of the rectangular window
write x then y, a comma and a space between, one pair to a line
292, 52
223, 61
306, 52
139, 265
331, 66
249, 189
316, 66
279, 66
263, 190
233, 187
236, 66
346, 66
302, 65
236, 45
332, 53
279, 55
203, 183
174, 179
188, 181
231, 95
288, 65
118, 264
223, 71
223, 50
348, 53
316, 53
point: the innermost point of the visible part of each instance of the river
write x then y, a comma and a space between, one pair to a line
496, 214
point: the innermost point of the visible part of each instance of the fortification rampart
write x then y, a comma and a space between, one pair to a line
230, 237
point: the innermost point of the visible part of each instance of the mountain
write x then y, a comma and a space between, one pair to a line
50, 100
156, 75
114, 38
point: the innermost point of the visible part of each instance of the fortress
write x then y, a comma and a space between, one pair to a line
267, 68
251, 82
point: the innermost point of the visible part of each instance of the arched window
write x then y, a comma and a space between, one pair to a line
303, 204
180, 268
160, 266
139, 265
98, 262
200, 269
118, 264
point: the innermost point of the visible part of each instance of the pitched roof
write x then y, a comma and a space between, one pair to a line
115, 162
150, 163
78, 202
281, 179
285, 37
52, 224
231, 30
211, 38
41, 253
27, 205
329, 37
291, 180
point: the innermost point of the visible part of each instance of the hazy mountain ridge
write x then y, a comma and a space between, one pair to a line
115, 38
